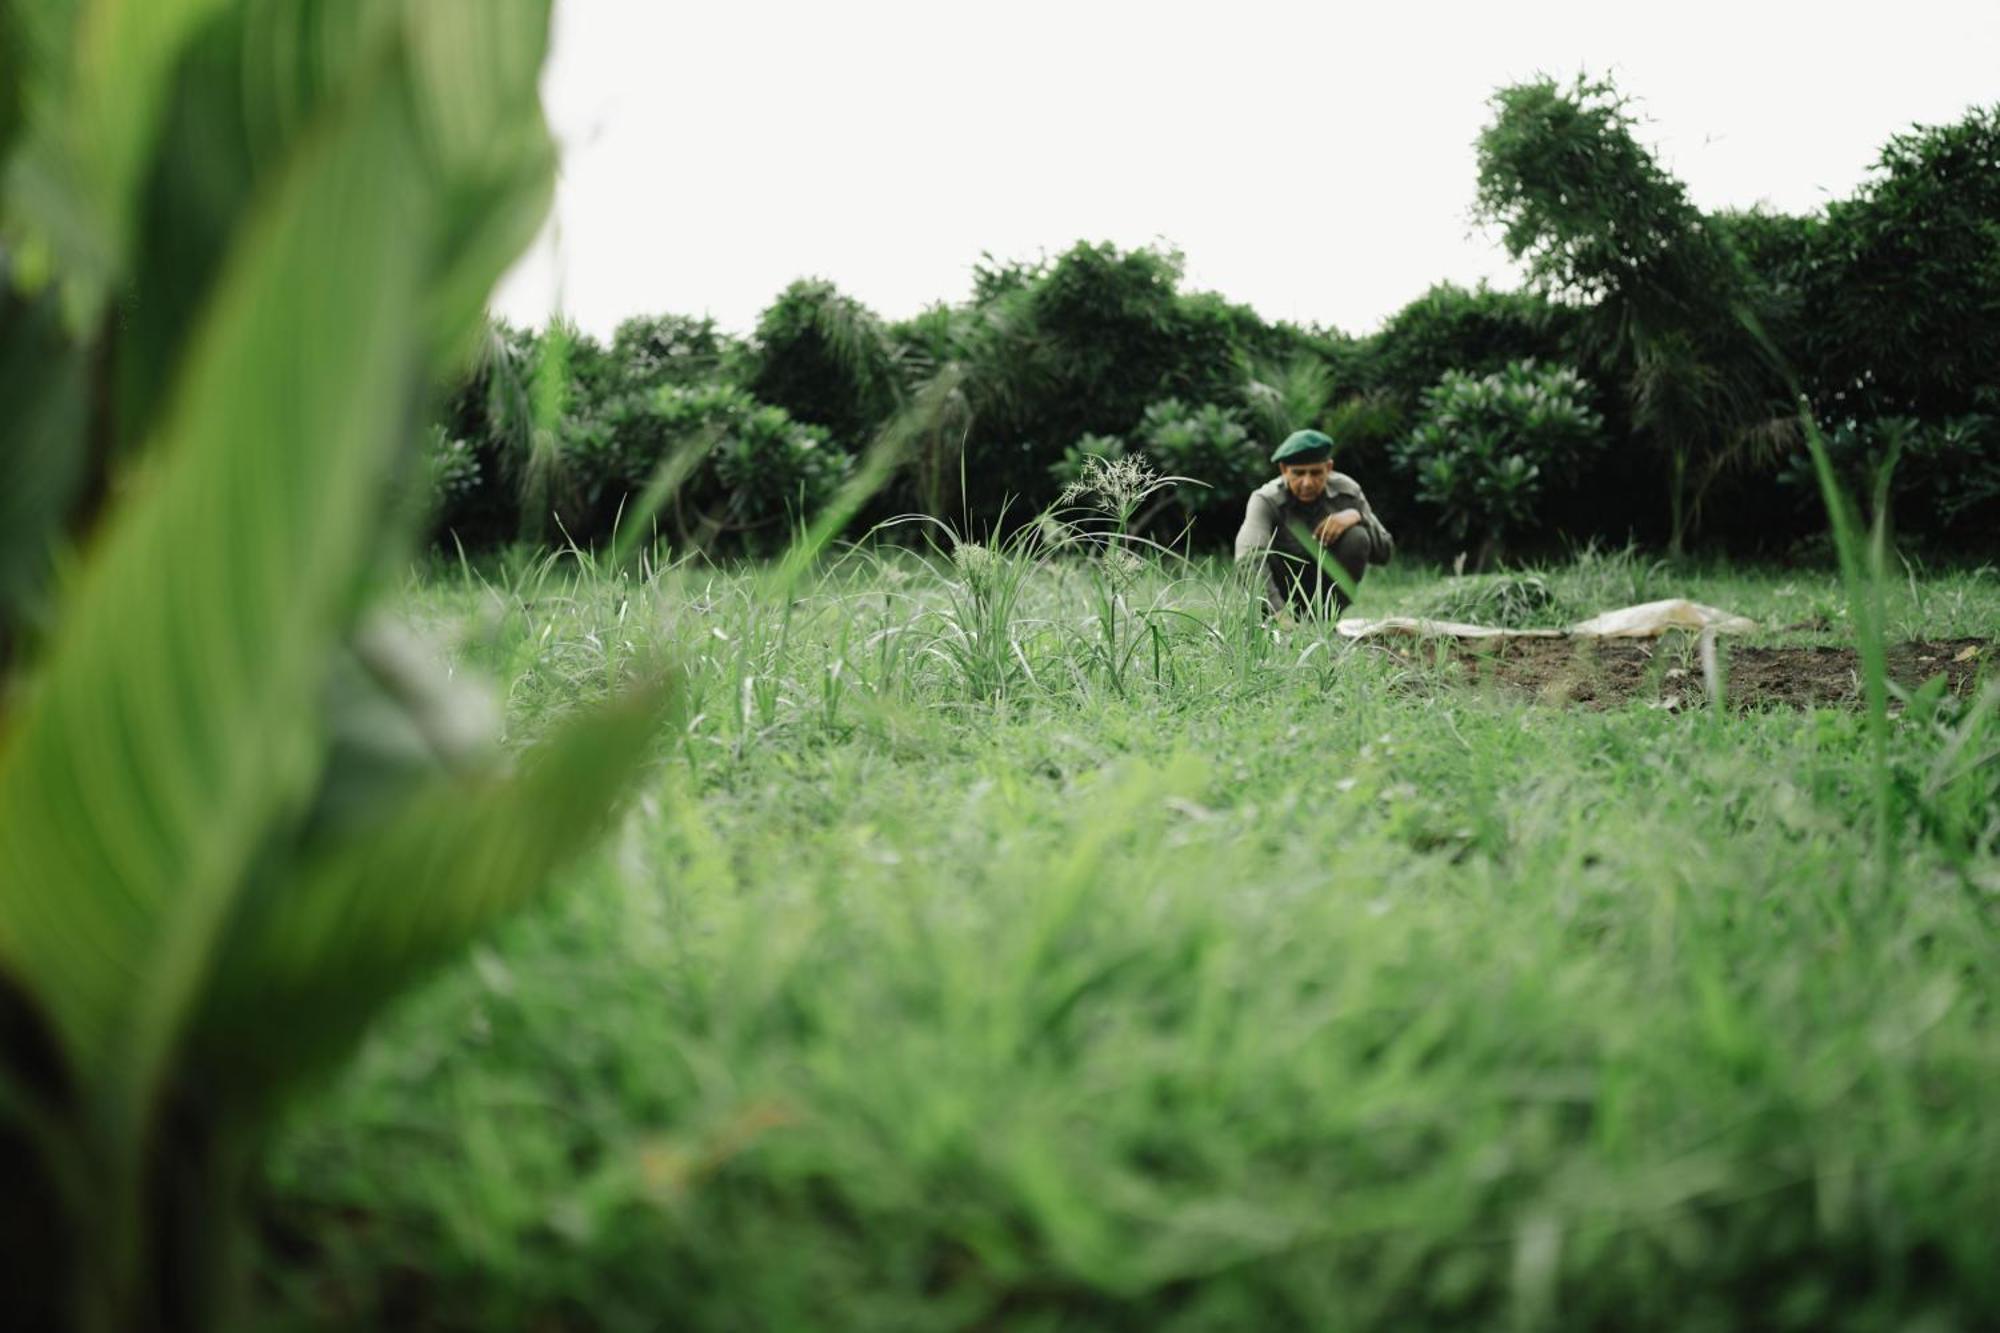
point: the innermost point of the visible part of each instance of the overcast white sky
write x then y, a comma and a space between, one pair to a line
1313, 160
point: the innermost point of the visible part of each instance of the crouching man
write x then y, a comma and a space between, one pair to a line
1309, 513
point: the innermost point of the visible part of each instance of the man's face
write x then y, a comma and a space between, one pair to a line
1306, 481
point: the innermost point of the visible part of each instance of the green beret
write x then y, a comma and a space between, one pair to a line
1304, 446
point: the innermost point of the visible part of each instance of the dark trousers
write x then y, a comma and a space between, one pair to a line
1301, 585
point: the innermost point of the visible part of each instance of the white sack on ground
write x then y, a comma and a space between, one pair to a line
1418, 627
1648, 620
1651, 619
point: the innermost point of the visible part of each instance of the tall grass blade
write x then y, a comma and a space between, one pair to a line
1862, 570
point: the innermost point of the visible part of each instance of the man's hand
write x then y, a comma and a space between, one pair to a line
1329, 529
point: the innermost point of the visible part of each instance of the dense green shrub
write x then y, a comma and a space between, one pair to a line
1886, 309
1366, 424
654, 350
1945, 478
768, 464
1107, 322
826, 359
1482, 453
1294, 393
746, 467
1210, 447
455, 474
1074, 347
1384, 377
1069, 469
1208, 451
1216, 347
619, 415
1081, 346
490, 410
591, 374
1475, 332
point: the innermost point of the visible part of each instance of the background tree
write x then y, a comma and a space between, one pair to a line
1689, 329
1598, 221
1474, 331
826, 359
484, 439
655, 350
1903, 280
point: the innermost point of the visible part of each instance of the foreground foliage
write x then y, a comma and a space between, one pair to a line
238, 811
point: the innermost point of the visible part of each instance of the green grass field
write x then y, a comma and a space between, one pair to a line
1051, 945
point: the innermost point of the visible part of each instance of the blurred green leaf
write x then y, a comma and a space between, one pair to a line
224, 798
170, 722
252, 84
41, 455
91, 122
478, 65
311, 959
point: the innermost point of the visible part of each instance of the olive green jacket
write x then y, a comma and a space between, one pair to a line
1272, 515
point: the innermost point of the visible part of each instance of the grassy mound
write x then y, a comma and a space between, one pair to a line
1504, 601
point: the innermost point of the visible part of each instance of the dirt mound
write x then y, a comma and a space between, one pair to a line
1605, 673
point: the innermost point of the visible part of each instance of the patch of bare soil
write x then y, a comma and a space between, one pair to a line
1605, 673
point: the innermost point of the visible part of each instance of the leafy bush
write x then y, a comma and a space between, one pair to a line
1292, 394
1078, 346
767, 465
1367, 421
1365, 429
741, 467
1070, 468
491, 409
454, 472
1946, 478
1481, 453
1081, 345
1474, 332
1885, 307
826, 359
654, 350
1210, 446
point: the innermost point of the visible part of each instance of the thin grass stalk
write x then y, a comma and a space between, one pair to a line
1862, 569
1326, 563
633, 529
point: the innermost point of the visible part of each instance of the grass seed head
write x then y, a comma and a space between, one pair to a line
978, 566
1114, 485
